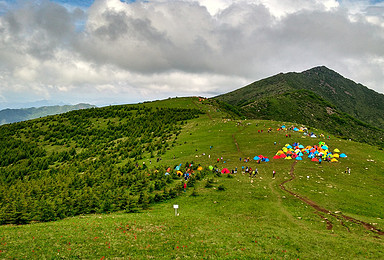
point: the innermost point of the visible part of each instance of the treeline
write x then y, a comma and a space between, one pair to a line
86, 161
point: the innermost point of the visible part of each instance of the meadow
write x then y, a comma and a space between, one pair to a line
231, 216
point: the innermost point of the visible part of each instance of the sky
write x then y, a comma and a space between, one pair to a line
106, 52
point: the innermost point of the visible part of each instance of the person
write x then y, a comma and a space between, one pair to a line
255, 172
348, 170
320, 160
185, 186
273, 173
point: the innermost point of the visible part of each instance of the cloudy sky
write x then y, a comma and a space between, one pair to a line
116, 52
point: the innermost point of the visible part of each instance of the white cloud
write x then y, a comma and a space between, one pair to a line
152, 49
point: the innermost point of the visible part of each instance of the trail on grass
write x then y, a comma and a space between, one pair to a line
235, 140
208, 114
319, 209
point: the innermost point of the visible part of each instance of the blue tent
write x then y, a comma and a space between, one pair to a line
299, 158
177, 168
343, 155
256, 158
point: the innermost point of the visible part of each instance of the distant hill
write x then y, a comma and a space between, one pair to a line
318, 97
17, 115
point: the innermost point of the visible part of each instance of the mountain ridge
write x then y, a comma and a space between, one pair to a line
349, 97
318, 97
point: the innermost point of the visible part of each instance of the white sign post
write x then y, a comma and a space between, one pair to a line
176, 207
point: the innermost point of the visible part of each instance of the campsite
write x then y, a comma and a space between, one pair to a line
308, 211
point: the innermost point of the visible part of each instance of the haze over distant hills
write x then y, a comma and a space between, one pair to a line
17, 115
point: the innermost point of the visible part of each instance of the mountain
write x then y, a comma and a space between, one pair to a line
318, 97
17, 115
111, 176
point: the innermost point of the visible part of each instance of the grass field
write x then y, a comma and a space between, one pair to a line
252, 218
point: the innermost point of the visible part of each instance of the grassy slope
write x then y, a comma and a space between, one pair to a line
315, 112
246, 221
347, 96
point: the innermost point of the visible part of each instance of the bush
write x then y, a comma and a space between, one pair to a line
221, 188
194, 193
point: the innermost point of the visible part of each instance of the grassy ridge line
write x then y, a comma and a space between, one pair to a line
248, 219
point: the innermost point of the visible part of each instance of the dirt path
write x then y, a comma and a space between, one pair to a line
235, 141
320, 210
208, 114
234, 138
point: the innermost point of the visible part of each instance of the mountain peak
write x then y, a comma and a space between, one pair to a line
321, 70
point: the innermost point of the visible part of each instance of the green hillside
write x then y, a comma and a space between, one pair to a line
86, 167
17, 115
319, 98
347, 96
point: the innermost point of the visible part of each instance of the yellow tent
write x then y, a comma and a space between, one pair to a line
336, 150
199, 168
336, 155
334, 160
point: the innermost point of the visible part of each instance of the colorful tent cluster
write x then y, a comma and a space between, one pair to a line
261, 158
315, 153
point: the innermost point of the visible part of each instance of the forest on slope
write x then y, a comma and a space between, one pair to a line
86, 161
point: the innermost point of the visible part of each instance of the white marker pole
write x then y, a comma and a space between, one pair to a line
175, 207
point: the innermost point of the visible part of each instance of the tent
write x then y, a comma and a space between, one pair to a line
334, 160
315, 160
256, 158
177, 168
199, 168
301, 146
299, 158
343, 155
276, 157
336, 155
225, 170
336, 150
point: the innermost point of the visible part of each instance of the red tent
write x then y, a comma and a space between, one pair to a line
283, 155
315, 160
225, 170
276, 157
